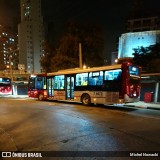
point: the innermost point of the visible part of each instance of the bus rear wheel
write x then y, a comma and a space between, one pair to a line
86, 100
40, 97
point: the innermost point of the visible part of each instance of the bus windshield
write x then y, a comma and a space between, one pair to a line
37, 83
5, 81
5, 86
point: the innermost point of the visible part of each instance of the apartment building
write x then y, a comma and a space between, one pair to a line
9, 56
31, 35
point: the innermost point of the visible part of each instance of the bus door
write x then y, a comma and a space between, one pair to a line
69, 87
50, 87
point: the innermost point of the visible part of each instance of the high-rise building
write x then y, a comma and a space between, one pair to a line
8, 49
30, 35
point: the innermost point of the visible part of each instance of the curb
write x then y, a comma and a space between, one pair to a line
155, 108
145, 107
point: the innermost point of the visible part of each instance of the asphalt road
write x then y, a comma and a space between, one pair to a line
30, 125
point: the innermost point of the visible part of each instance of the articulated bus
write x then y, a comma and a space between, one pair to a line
5, 86
99, 85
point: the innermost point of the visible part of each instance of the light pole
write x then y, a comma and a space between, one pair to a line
10, 66
80, 56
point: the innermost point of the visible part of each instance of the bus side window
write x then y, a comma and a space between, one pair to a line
82, 79
99, 80
113, 80
78, 80
113, 74
59, 82
119, 75
96, 80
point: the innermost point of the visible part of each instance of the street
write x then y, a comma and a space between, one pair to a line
31, 125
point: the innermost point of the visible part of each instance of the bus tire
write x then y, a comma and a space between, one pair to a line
40, 97
86, 100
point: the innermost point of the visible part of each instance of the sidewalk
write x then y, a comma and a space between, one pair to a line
14, 96
142, 104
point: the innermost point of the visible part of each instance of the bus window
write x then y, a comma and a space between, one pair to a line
113, 74
96, 78
82, 79
113, 80
40, 83
59, 82
5, 80
31, 84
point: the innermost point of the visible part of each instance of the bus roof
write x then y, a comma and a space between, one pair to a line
78, 70
38, 74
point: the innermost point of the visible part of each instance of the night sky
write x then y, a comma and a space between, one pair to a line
111, 15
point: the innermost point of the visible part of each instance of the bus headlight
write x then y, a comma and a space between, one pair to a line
120, 100
45, 93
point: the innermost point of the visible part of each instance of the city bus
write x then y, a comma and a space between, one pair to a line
99, 85
5, 86
37, 86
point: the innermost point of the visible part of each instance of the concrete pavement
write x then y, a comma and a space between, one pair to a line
140, 104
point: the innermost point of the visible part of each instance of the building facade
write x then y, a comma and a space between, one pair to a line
142, 29
140, 24
9, 56
129, 41
31, 35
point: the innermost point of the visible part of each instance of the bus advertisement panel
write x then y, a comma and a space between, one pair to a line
5, 86
99, 85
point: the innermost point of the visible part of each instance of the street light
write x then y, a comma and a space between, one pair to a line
7, 66
84, 66
116, 60
10, 67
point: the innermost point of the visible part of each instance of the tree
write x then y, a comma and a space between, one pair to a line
148, 57
67, 52
46, 58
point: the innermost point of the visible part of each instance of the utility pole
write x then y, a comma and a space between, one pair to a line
10, 66
80, 56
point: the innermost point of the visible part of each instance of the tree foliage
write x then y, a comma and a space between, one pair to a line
46, 58
148, 57
66, 54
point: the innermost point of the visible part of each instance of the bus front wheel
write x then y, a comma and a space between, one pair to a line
86, 100
40, 97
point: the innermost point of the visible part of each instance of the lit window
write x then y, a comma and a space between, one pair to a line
113, 74
96, 78
82, 79
59, 82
